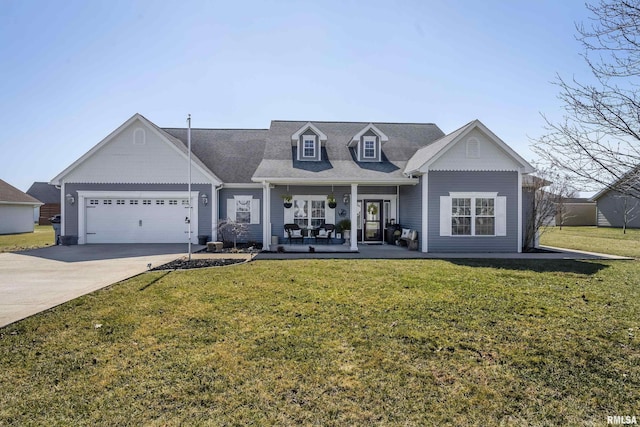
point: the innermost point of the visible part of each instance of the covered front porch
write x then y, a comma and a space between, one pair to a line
360, 213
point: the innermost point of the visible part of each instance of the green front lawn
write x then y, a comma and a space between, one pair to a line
42, 236
594, 239
335, 342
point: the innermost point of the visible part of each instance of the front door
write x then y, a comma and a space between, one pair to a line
373, 221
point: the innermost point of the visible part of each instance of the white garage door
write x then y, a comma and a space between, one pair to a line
136, 220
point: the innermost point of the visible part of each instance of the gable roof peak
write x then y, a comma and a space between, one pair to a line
306, 127
370, 127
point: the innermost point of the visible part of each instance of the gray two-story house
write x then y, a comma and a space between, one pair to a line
461, 192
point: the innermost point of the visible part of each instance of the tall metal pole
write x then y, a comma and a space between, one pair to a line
189, 185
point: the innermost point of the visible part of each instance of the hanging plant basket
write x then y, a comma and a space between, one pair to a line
331, 201
286, 198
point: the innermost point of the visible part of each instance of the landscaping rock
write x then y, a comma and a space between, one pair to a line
184, 264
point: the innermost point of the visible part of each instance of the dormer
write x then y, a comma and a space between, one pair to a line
368, 144
309, 141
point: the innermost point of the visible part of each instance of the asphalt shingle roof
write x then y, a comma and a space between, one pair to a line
44, 192
10, 194
232, 154
404, 140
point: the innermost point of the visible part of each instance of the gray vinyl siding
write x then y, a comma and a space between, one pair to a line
528, 201
277, 208
411, 208
255, 230
441, 183
611, 211
71, 211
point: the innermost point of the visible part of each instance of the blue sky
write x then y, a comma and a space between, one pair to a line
73, 71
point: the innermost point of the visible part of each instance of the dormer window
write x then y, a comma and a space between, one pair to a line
309, 146
369, 148
367, 144
307, 143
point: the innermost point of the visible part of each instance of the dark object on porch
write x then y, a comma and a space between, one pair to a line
203, 239
324, 233
390, 234
294, 232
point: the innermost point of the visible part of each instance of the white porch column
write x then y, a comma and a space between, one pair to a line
213, 199
425, 212
354, 217
266, 215
520, 211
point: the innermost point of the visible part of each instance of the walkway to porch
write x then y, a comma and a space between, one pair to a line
401, 252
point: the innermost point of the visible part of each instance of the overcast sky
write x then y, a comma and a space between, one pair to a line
72, 71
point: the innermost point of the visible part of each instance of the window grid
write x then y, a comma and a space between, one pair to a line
133, 202
317, 213
369, 149
173, 202
106, 202
485, 217
146, 202
243, 211
309, 148
300, 212
159, 202
461, 216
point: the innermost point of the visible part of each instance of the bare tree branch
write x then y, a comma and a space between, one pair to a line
598, 140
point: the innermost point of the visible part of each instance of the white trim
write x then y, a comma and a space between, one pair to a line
213, 201
499, 213
62, 210
425, 212
519, 211
366, 139
159, 133
23, 203
296, 136
329, 181
354, 217
82, 195
241, 185
476, 124
301, 147
356, 138
266, 215
469, 194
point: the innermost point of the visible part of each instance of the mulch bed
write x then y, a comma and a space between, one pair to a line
183, 264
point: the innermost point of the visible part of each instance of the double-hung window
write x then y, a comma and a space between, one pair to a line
309, 211
473, 214
369, 149
485, 217
308, 146
244, 209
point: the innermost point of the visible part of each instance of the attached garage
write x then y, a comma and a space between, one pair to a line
136, 217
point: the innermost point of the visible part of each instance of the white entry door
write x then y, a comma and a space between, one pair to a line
137, 219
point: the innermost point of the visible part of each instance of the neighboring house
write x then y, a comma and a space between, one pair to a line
576, 211
618, 209
16, 210
461, 192
50, 196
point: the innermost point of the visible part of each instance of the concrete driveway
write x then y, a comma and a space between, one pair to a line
33, 281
